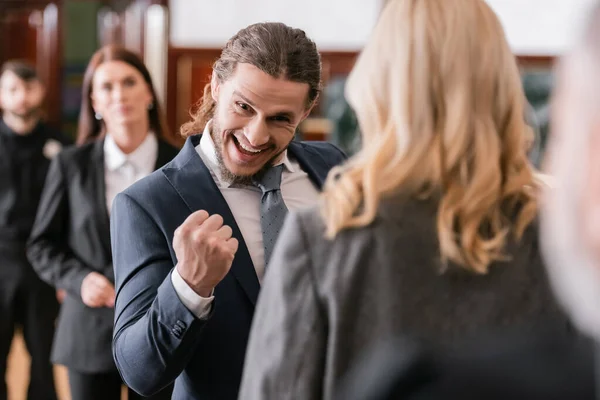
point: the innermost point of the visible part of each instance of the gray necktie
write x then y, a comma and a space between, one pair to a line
272, 208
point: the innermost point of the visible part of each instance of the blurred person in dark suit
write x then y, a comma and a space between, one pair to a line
27, 145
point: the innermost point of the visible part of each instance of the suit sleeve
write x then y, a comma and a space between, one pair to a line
155, 335
286, 352
47, 248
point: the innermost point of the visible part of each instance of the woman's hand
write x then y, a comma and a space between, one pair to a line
97, 291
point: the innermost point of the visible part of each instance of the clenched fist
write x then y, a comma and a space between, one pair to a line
205, 251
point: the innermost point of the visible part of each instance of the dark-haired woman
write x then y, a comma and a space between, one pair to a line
121, 138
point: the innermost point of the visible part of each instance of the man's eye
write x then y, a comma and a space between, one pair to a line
243, 106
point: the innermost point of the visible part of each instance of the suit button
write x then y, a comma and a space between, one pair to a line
180, 324
177, 331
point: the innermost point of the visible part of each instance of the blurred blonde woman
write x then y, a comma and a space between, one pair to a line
429, 231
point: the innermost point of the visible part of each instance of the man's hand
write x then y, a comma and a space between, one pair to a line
97, 291
205, 251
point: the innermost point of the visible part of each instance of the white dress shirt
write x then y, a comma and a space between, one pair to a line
121, 170
297, 191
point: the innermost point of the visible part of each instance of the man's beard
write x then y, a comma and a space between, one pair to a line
27, 115
225, 173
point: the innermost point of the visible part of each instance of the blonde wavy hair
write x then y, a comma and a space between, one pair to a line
439, 100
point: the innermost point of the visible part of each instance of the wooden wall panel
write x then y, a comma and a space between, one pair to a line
188, 70
19, 34
30, 30
125, 22
536, 61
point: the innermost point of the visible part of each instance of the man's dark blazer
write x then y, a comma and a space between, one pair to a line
157, 339
546, 364
70, 239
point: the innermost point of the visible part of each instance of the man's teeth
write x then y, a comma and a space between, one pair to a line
249, 149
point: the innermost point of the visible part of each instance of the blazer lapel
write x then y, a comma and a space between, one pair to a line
99, 189
192, 179
311, 162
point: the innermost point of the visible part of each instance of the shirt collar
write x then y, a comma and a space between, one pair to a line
207, 147
145, 154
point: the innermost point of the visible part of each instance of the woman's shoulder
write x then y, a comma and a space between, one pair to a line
392, 217
308, 220
74, 153
76, 158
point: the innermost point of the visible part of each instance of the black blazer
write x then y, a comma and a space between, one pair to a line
157, 339
541, 365
70, 239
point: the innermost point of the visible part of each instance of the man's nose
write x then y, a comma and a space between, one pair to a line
257, 132
20, 96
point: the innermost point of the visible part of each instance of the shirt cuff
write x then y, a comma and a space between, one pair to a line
198, 305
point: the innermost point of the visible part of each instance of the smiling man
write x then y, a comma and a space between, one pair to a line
191, 242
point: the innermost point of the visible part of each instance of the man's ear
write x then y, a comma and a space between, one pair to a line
215, 85
1, 83
307, 111
43, 91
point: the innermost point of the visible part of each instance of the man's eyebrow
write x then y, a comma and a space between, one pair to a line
285, 113
288, 114
247, 100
